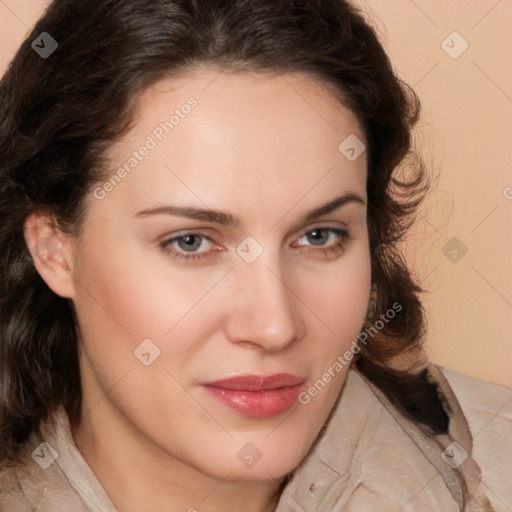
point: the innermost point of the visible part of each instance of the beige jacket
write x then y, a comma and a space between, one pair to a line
368, 458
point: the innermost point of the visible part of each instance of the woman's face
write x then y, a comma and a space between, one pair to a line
264, 288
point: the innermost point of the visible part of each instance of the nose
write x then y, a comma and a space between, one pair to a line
264, 311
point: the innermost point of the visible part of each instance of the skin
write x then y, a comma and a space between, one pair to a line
264, 148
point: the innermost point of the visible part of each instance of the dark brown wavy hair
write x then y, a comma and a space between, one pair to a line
60, 114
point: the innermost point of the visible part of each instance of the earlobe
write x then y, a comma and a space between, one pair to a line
51, 253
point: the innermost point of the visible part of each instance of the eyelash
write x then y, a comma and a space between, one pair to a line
336, 249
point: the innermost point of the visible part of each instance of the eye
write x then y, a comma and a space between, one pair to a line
320, 236
188, 246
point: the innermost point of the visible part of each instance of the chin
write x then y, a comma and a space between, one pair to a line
262, 471
260, 458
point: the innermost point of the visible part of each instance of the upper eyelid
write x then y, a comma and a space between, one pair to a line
311, 227
301, 233
323, 226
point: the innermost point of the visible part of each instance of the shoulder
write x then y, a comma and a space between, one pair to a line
480, 395
366, 459
12, 498
12, 494
27, 486
487, 407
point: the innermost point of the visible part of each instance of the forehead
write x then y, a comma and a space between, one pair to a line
216, 134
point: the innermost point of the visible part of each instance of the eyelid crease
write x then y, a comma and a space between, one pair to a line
200, 231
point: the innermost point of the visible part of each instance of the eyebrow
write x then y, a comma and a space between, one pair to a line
227, 219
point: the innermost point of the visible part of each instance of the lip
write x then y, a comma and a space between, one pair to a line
257, 395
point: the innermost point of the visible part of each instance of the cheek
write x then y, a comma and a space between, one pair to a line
127, 296
339, 301
339, 296
135, 292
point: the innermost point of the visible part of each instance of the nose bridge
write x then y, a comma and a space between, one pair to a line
264, 311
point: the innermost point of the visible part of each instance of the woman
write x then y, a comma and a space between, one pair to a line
203, 302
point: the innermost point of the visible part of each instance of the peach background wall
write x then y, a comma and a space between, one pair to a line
455, 54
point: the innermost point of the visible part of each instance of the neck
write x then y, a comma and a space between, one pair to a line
120, 457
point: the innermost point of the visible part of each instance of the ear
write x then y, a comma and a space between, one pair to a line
51, 251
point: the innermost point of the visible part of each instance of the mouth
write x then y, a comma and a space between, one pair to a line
257, 395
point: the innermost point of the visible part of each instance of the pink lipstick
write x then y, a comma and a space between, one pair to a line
257, 395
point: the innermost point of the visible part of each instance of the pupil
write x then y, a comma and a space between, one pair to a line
317, 239
189, 241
